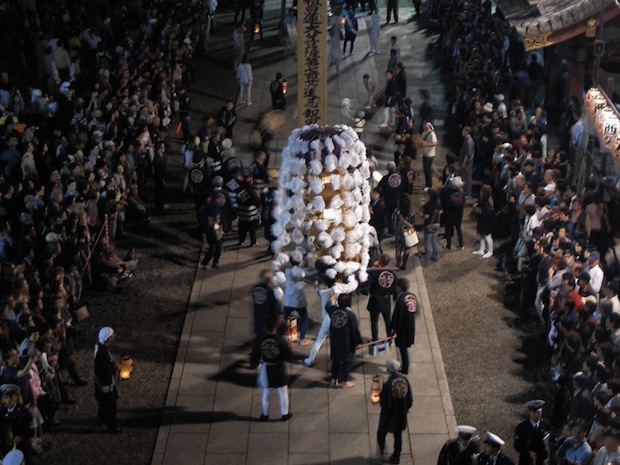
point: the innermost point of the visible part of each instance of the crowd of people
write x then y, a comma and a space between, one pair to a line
563, 251
84, 117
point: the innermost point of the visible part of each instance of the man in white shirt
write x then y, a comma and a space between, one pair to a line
596, 273
609, 292
609, 453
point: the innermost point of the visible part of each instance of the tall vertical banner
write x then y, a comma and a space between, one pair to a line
312, 63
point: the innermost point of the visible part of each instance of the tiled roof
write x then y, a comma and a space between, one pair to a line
543, 16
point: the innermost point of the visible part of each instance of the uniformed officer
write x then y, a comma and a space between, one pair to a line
15, 421
462, 450
106, 374
492, 454
271, 352
382, 287
531, 435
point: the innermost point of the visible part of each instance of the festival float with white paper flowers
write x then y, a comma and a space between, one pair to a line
322, 205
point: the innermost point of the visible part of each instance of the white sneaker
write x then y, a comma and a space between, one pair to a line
479, 252
249, 104
384, 125
487, 255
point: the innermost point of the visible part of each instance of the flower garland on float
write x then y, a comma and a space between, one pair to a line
322, 204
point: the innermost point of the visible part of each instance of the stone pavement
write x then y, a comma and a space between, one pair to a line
212, 403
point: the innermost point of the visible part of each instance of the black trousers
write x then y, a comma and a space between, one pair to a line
215, 248
392, 6
398, 441
107, 408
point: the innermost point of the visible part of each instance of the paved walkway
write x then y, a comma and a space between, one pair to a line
212, 404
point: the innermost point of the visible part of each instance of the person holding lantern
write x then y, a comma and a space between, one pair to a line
396, 400
106, 374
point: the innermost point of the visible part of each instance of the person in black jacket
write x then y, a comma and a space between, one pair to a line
382, 287
492, 454
462, 450
270, 352
266, 305
531, 435
485, 221
344, 337
403, 321
377, 212
159, 176
15, 421
278, 100
453, 203
106, 373
396, 400
390, 95
212, 231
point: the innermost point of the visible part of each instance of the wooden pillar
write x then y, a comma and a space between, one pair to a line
576, 80
312, 62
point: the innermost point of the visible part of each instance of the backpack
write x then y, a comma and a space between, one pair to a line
457, 199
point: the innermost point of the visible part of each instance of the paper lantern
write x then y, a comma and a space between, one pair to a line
608, 130
598, 103
616, 148
375, 390
126, 366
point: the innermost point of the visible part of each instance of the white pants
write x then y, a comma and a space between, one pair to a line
538, 303
486, 242
282, 392
245, 92
320, 339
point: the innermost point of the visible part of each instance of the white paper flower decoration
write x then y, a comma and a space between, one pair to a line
318, 204
316, 185
324, 219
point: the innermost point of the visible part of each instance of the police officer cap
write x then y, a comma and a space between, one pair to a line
494, 440
392, 365
535, 404
104, 334
465, 431
14, 457
9, 389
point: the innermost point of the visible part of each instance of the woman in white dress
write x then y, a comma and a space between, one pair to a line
244, 76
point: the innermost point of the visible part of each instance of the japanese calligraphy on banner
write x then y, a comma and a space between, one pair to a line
312, 63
